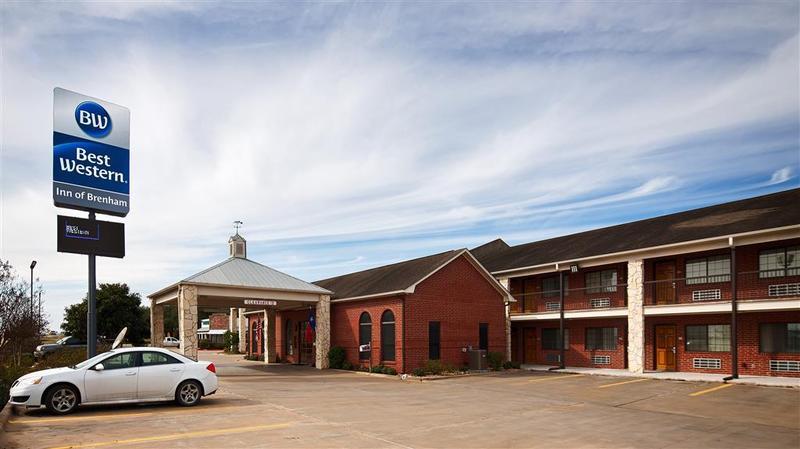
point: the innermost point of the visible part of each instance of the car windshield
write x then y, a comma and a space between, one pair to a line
92, 361
61, 340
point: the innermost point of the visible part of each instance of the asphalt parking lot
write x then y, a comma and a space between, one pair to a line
287, 406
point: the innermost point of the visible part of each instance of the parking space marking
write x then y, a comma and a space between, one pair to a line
180, 436
622, 383
709, 390
33, 420
555, 377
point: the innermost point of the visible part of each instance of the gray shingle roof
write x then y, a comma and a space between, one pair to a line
240, 272
752, 214
385, 279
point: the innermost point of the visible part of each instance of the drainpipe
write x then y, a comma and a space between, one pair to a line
403, 331
561, 364
734, 327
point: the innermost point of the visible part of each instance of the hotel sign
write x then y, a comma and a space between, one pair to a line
91, 154
82, 236
260, 302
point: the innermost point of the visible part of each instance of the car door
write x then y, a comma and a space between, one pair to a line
117, 381
159, 375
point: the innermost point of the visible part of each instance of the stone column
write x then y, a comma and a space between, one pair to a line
507, 308
156, 324
323, 340
270, 345
242, 331
187, 320
636, 316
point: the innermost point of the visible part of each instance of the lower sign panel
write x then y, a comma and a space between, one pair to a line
82, 236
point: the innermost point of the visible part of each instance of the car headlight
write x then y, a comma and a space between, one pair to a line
39, 348
32, 381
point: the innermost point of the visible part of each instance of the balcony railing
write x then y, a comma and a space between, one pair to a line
772, 284
589, 298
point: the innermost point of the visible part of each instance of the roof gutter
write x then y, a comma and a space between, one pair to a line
726, 238
374, 295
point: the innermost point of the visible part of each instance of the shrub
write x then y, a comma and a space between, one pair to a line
419, 372
495, 360
204, 344
347, 365
391, 371
435, 367
231, 342
378, 369
62, 357
507, 364
336, 357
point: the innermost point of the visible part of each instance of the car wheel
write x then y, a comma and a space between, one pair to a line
61, 399
189, 393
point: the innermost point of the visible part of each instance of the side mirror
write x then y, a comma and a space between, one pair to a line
99, 367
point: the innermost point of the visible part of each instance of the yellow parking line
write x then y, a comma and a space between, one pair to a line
180, 436
555, 377
622, 383
718, 387
33, 420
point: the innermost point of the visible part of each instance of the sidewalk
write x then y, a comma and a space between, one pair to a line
766, 381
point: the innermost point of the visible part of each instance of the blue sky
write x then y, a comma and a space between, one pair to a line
350, 135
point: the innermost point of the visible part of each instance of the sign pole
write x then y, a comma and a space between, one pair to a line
91, 313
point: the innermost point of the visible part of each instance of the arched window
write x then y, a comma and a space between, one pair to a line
364, 334
387, 336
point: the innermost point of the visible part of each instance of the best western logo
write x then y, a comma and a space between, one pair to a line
94, 168
93, 119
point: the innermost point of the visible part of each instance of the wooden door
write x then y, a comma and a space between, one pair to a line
529, 344
666, 348
665, 282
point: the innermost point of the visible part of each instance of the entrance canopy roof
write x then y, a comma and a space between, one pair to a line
240, 282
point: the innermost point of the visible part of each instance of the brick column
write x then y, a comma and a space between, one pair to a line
323, 338
636, 316
242, 331
187, 320
270, 348
507, 308
156, 324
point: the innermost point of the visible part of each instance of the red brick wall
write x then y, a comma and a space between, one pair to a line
576, 354
749, 284
530, 298
751, 361
344, 328
218, 321
460, 298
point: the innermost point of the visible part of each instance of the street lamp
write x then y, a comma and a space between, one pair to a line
33, 264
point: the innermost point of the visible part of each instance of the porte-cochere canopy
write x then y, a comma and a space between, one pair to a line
242, 286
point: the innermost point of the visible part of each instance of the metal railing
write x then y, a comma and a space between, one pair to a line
769, 284
587, 298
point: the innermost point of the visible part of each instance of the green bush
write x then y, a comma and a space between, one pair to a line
62, 357
377, 369
230, 341
391, 371
419, 372
204, 344
495, 360
347, 365
336, 357
435, 367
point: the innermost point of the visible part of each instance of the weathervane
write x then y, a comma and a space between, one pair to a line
237, 224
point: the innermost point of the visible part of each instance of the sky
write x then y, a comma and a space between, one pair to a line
351, 135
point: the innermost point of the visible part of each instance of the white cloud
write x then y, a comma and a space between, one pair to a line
322, 126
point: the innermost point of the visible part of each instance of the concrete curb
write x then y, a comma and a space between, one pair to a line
742, 381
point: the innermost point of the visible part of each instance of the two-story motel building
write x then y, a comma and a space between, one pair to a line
660, 294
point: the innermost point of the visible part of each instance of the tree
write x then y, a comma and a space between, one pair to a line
117, 307
20, 322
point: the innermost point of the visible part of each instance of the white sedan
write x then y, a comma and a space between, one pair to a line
121, 375
171, 342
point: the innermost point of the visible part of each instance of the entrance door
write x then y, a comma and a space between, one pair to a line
665, 348
529, 344
665, 282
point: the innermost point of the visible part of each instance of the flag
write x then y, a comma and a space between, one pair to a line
312, 326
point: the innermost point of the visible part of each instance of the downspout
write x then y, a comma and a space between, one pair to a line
734, 309
403, 331
561, 363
